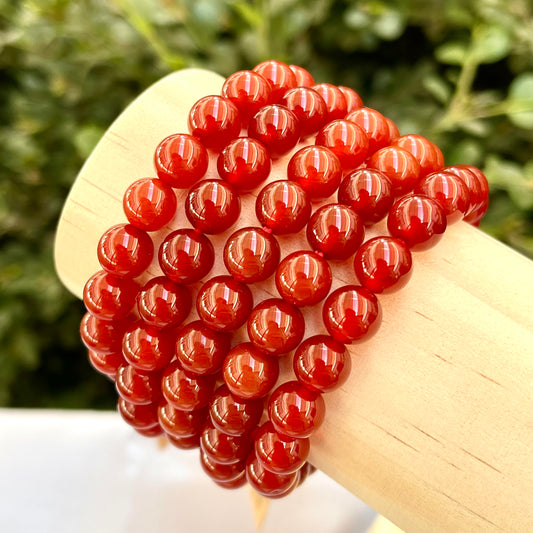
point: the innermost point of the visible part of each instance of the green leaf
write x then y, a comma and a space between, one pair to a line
389, 26
520, 97
452, 53
490, 43
86, 139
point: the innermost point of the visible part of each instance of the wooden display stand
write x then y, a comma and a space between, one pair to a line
434, 427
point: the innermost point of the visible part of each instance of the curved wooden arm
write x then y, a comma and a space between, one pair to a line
434, 428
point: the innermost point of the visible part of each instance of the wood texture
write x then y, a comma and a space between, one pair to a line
434, 428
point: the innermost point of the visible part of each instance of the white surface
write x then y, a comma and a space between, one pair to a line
78, 471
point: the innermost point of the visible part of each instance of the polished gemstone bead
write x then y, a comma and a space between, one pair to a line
368, 192
426, 153
201, 350
103, 336
125, 251
346, 140
336, 230
417, 220
383, 264
212, 206
296, 411
184, 443
138, 416
317, 170
186, 256
303, 278
152, 431
178, 423
221, 471
321, 363
248, 90
303, 76
351, 313
180, 160
251, 254
106, 363
136, 386
308, 106
267, 483
276, 327
163, 303
399, 166
109, 297
214, 121
375, 126
224, 303
474, 216
236, 483
353, 100
283, 207
223, 448
336, 103
280, 77
233, 415
277, 128
394, 132
249, 373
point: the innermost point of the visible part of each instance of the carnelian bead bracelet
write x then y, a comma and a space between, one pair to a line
194, 382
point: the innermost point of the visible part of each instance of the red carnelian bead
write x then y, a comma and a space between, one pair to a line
303, 76
353, 100
185, 391
138, 416
336, 230
178, 423
180, 160
184, 443
478, 188
103, 336
212, 206
219, 471
399, 166
276, 327
249, 373
351, 313
296, 411
244, 163
383, 264
152, 431
186, 256
368, 192
251, 254
426, 153
233, 415
201, 350
321, 363
418, 220
106, 363
148, 348
214, 121
303, 278
163, 303
267, 483
125, 251
308, 106
449, 191
222, 448
248, 90
336, 103
108, 297
474, 216
317, 170
276, 127
136, 386
394, 132
236, 483
283, 207
375, 126
224, 303
278, 453
280, 77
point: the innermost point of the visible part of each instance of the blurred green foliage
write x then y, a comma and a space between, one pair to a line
458, 71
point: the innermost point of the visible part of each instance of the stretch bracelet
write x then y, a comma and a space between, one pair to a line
350, 168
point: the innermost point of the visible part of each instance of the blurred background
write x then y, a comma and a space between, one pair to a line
457, 71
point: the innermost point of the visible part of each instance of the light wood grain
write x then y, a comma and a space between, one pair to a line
434, 428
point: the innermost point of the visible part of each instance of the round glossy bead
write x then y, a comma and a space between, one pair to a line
136, 386
394, 132
244, 163
336, 230
478, 188
219, 471
214, 121
351, 313
106, 363
296, 411
317, 170
375, 126
178, 423
353, 100
278, 453
283, 207
418, 220
185, 391
368, 192
303, 76
138, 416
251, 254
308, 106
336, 104
248, 90
280, 77
236, 483
249, 373
103, 336
125, 251
184, 443
303, 278
224, 303
152, 431
426, 153
399, 166
201, 350
223, 448
346, 140
186, 256
321, 363
233, 415
276, 127
212, 206
383, 264
276, 327
180, 160
267, 483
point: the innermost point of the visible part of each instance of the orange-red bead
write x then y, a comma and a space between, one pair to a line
280, 77
336, 104
308, 106
248, 90
375, 126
